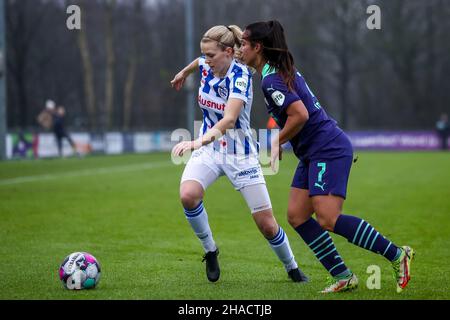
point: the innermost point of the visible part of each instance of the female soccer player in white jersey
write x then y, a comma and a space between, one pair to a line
225, 98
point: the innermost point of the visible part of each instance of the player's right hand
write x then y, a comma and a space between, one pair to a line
178, 81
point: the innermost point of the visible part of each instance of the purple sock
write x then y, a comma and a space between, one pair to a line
362, 234
320, 242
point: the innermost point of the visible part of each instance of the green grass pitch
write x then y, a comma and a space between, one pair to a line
125, 210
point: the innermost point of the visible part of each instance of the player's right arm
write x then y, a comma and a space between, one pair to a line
181, 76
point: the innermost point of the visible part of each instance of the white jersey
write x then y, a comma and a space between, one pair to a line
213, 95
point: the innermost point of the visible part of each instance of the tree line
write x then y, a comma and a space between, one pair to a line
114, 73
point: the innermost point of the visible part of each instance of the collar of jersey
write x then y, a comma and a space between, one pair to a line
267, 69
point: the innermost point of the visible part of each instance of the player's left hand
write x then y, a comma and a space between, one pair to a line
178, 81
183, 146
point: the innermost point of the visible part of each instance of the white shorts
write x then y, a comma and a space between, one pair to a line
206, 165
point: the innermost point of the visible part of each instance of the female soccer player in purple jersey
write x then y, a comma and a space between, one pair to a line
325, 153
225, 97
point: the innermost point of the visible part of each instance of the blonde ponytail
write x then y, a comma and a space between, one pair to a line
230, 36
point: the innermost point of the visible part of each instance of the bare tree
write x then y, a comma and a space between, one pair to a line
367, 79
110, 6
341, 42
88, 73
23, 23
133, 61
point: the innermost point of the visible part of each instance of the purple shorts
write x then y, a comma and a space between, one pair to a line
323, 176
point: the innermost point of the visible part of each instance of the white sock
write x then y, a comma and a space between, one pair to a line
280, 244
198, 219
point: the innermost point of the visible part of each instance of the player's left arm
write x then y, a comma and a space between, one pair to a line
179, 79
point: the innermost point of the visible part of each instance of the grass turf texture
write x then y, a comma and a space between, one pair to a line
126, 212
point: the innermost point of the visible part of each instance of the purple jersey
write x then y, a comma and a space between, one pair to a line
317, 137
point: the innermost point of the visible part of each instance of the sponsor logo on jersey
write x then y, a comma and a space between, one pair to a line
278, 98
241, 84
211, 104
223, 92
251, 171
321, 186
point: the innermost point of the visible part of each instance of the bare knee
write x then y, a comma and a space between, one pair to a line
269, 230
190, 195
297, 218
266, 224
328, 209
326, 222
294, 220
300, 207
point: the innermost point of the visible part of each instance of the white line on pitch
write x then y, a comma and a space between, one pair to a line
87, 172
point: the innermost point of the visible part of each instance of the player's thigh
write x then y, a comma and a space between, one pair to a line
328, 179
329, 176
257, 197
258, 201
299, 205
243, 171
198, 175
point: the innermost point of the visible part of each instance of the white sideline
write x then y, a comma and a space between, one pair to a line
87, 172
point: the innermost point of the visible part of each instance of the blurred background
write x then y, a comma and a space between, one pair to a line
388, 87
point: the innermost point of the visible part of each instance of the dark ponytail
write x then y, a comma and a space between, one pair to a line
275, 50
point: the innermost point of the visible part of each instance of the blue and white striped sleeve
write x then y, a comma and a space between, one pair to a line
240, 85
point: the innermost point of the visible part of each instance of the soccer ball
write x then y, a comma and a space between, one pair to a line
80, 270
